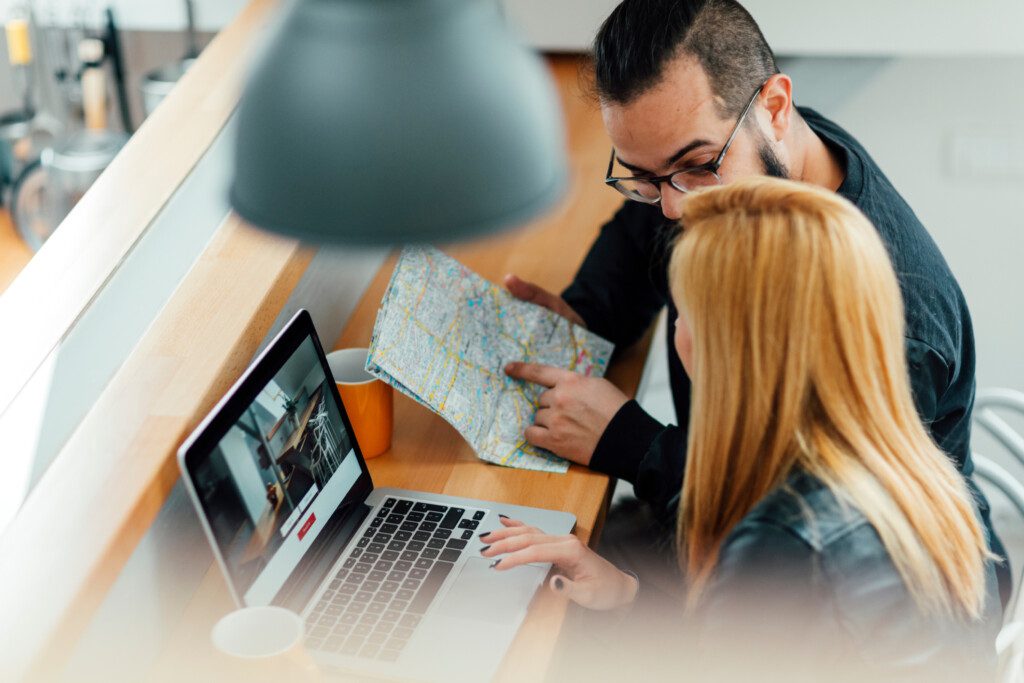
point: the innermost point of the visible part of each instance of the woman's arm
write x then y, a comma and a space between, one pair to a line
583, 576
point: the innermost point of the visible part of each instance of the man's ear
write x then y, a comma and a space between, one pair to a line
777, 101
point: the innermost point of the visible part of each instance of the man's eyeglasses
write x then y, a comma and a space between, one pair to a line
648, 190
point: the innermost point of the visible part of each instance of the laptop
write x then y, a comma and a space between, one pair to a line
390, 583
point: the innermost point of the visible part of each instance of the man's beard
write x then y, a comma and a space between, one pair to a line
773, 166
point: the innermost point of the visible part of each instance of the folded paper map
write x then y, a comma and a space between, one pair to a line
443, 336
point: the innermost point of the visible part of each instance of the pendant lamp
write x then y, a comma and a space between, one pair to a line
382, 122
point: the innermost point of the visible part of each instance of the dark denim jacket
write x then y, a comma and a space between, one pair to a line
804, 587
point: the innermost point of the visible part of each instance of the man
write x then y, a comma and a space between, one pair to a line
691, 96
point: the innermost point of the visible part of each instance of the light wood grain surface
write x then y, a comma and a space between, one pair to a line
427, 454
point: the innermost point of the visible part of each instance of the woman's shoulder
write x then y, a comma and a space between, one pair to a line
805, 558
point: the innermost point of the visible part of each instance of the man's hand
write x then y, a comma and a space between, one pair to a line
574, 411
527, 291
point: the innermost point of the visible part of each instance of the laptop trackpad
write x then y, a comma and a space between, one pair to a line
483, 593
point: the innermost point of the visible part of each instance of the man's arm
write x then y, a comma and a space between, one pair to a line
622, 284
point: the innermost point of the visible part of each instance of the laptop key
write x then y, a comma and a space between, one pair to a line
421, 536
314, 643
429, 553
356, 608
389, 586
356, 552
362, 542
404, 594
410, 620
361, 568
395, 643
389, 555
362, 630
363, 596
454, 543
390, 502
349, 563
403, 535
478, 515
409, 526
369, 618
392, 614
396, 576
467, 534
431, 585
411, 584
403, 506
403, 565
449, 555
376, 521
375, 548
388, 528
396, 546
395, 519
414, 516
436, 543
384, 625
468, 524
401, 632
382, 566
451, 518
428, 526
417, 573
434, 516
349, 618
442, 533
425, 563
409, 556
333, 644
415, 546
428, 507
383, 512
369, 558
376, 575
375, 608
383, 539
320, 632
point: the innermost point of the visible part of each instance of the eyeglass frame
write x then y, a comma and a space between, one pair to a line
711, 167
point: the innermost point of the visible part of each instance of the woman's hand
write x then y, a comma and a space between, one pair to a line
583, 576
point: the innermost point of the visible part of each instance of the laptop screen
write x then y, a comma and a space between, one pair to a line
278, 473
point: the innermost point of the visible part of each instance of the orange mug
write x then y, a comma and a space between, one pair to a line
368, 401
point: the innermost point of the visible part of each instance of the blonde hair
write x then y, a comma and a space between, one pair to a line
798, 353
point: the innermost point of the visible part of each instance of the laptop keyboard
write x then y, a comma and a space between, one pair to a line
376, 600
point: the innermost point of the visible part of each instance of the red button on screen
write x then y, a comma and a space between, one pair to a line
307, 525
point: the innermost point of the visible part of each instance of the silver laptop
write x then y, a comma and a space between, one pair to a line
390, 583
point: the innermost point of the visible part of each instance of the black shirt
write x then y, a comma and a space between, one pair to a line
623, 284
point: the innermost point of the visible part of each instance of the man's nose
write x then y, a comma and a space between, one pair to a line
671, 202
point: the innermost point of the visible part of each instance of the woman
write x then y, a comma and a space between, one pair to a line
820, 529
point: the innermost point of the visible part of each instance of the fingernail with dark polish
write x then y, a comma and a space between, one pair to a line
559, 584
485, 548
495, 564
486, 533
503, 516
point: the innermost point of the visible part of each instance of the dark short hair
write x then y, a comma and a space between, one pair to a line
640, 37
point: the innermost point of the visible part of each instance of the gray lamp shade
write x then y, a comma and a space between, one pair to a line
396, 121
